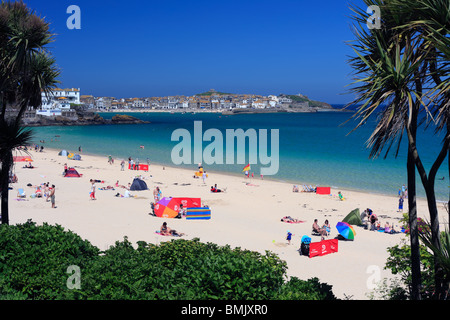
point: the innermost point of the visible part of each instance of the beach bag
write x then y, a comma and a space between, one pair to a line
304, 249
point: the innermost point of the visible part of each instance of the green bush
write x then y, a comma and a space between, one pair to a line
177, 269
34, 259
399, 262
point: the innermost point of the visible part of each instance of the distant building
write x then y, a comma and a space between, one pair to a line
58, 101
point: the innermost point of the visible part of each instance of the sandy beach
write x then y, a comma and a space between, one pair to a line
247, 215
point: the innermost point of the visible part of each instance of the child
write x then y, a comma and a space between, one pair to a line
400, 204
289, 237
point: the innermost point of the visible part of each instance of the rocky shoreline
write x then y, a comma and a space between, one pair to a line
82, 119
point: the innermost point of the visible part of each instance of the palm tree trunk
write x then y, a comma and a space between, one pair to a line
7, 161
428, 184
416, 276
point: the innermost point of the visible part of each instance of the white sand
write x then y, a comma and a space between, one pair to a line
245, 216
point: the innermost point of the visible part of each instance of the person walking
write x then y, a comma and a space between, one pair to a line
92, 194
52, 196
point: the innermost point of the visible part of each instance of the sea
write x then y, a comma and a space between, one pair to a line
318, 149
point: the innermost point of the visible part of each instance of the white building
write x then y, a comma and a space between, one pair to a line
58, 101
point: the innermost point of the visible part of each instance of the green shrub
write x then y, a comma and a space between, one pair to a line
177, 269
34, 259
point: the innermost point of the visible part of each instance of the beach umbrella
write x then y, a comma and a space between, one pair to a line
346, 230
167, 207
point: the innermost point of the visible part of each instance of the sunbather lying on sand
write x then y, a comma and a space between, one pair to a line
289, 219
166, 231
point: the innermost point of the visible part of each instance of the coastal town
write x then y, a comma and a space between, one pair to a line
210, 100
60, 102
69, 107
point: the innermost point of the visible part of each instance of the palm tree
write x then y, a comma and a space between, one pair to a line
26, 70
394, 69
432, 18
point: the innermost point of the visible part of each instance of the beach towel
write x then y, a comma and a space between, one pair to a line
166, 235
286, 220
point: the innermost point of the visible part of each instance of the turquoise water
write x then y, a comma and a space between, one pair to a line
314, 148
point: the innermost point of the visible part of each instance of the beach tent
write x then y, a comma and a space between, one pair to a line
72, 173
63, 153
76, 157
354, 218
138, 185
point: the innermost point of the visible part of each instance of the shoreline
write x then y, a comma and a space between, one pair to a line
256, 178
220, 111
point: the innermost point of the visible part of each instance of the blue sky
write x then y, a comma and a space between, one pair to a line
172, 47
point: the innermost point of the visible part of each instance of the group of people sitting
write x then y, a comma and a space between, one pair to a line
28, 166
306, 188
323, 231
371, 222
44, 190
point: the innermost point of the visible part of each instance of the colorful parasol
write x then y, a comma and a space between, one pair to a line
346, 230
167, 207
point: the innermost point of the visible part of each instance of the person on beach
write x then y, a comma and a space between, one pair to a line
214, 189
65, 168
326, 227
136, 165
400, 204
92, 194
373, 220
319, 230
38, 192
52, 196
341, 197
289, 237
157, 194
403, 191
122, 165
289, 219
166, 231
204, 177
365, 218
181, 212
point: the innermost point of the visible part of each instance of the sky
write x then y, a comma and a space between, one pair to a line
177, 47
